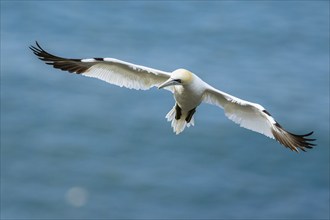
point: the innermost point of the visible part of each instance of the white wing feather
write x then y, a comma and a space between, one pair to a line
254, 117
247, 114
126, 74
111, 70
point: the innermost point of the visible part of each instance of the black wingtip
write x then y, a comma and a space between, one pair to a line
70, 65
36, 49
39, 47
293, 141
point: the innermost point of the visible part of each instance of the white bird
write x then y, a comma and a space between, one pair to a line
189, 92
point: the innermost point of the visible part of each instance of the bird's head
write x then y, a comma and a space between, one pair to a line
178, 77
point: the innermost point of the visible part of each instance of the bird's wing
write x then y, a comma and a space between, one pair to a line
256, 118
111, 70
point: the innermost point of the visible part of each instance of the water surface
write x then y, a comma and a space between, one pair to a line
75, 147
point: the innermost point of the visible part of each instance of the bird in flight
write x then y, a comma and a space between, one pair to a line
189, 92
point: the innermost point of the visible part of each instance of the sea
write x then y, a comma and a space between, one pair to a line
74, 147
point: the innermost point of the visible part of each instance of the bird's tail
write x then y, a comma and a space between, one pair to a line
179, 124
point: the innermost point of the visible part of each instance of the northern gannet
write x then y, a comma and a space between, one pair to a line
189, 92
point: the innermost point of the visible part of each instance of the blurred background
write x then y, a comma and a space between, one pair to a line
76, 147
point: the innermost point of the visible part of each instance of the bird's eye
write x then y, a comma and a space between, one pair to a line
177, 80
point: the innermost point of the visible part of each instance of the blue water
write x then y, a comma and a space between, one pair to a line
76, 147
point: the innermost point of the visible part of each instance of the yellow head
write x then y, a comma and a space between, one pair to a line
178, 77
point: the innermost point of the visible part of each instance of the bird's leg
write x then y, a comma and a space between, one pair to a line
190, 114
178, 112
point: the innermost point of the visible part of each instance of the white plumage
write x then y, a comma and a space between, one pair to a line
189, 92
123, 74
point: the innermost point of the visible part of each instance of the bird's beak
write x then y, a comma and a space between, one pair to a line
169, 82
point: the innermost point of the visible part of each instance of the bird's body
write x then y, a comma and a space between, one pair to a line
189, 92
187, 97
